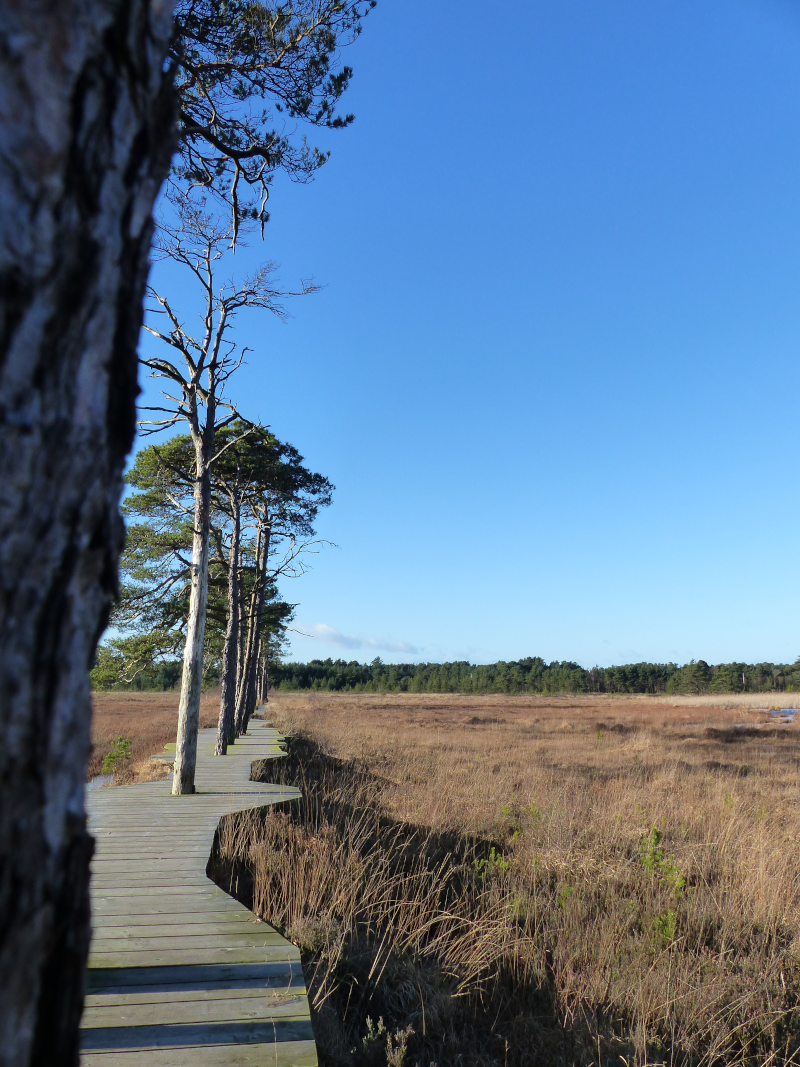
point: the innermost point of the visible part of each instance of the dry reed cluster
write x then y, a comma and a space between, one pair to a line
504, 881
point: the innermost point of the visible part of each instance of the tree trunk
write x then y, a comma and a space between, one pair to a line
227, 704
245, 615
247, 693
86, 134
250, 694
192, 679
246, 643
263, 678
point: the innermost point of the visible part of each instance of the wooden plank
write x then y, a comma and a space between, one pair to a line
275, 993
197, 859
229, 939
179, 905
179, 917
176, 977
197, 1010
134, 882
140, 848
171, 929
155, 957
130, 840
290, 1054
117, 873
110, 892
187, 1035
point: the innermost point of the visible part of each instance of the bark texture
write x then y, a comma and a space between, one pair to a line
262, 697
192, 680
227, 705
86, 134
246, 695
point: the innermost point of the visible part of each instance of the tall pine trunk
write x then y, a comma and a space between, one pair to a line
86, 137
246, 641
227, 704
263, 676
246, 697
192, 679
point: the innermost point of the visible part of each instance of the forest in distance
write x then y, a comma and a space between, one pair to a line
530, 675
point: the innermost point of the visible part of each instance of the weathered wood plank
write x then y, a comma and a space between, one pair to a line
197, 1010
113, 864
134, 905
216, 923
178, 916
155, 957
186, 1035
213, 891
176, 977
292, 1054
177, 880
230, 939
276, 994
197, 976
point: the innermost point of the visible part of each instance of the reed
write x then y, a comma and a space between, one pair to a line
519, 882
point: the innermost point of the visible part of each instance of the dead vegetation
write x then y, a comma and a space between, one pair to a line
518, 881
149, 720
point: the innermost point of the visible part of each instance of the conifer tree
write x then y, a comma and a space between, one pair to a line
246, 71
263, 502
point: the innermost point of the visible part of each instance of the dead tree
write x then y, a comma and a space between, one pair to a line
86, 140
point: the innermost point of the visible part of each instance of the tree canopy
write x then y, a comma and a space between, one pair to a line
246, 71
272, 482
535, 675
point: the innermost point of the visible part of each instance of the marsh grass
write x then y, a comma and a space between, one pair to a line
514, 882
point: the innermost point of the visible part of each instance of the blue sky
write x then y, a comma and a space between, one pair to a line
553, 371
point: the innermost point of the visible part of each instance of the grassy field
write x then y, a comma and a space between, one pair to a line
508, 881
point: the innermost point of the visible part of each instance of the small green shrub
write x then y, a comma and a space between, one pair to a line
654, 861
664, 928
118, 758
493, 864
372, 1044
564, 894
650, 853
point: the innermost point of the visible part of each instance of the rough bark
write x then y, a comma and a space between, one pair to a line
246, 645
192, 679
86, 136
263, 676
227, 704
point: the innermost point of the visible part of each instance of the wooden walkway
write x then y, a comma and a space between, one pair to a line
180, 973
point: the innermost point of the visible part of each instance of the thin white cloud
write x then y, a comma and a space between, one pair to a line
322, 632
390, 646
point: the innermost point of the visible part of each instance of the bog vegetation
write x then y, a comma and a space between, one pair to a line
505, 882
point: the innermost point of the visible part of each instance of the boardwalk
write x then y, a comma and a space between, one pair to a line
179, 972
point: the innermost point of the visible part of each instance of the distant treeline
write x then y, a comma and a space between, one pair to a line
534, 675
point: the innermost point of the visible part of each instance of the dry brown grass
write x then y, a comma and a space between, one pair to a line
576, 941
149, 720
